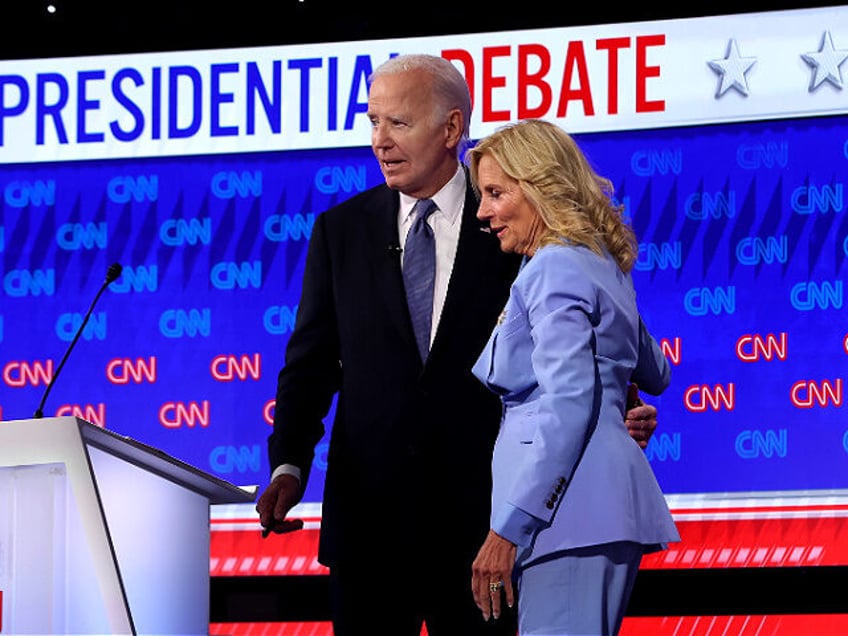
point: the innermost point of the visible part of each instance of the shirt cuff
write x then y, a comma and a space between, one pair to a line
286, 469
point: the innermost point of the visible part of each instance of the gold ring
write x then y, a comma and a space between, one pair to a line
494, 587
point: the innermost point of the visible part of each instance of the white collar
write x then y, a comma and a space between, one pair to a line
449, 199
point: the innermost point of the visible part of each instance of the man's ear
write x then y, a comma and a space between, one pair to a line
453, 128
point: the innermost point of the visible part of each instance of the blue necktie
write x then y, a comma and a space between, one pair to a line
419, 273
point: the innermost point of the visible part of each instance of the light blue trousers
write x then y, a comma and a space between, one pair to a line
581, 592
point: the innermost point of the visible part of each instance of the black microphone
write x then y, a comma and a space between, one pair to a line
112, 274
394, 249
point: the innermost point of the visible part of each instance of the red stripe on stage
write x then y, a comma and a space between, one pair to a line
769, 509
763, 542
246, 553
771, 625
712, 543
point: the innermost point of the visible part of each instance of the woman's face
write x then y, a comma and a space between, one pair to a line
509, 213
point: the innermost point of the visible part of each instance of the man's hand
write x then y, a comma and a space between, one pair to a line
274, 504
641, 418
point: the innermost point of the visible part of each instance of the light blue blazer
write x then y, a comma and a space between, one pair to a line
566, 473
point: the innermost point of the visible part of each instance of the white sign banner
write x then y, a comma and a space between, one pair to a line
589, 78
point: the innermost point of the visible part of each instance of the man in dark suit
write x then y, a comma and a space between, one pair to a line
408, 485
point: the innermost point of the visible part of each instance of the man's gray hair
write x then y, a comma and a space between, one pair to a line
449, 84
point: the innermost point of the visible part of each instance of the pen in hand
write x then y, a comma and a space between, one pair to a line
282, 527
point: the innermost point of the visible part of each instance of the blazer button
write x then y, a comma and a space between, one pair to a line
549, 504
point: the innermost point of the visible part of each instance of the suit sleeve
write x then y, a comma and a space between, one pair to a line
652, 372
311, 374
561, 313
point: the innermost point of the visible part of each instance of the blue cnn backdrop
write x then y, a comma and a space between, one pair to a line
743, 234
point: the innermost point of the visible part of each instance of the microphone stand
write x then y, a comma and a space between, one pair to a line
111, 274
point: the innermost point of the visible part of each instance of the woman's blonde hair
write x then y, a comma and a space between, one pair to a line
575, 203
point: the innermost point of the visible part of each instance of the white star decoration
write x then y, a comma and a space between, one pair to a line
825, 64
732, 69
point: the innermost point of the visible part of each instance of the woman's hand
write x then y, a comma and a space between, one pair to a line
491, 575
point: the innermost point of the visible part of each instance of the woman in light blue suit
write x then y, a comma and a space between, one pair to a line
575, 503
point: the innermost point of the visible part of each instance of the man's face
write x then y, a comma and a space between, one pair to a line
414, 143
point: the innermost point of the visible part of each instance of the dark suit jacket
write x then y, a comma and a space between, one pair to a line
409, 462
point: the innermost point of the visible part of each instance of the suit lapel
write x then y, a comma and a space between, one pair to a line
384, 247
476, 252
